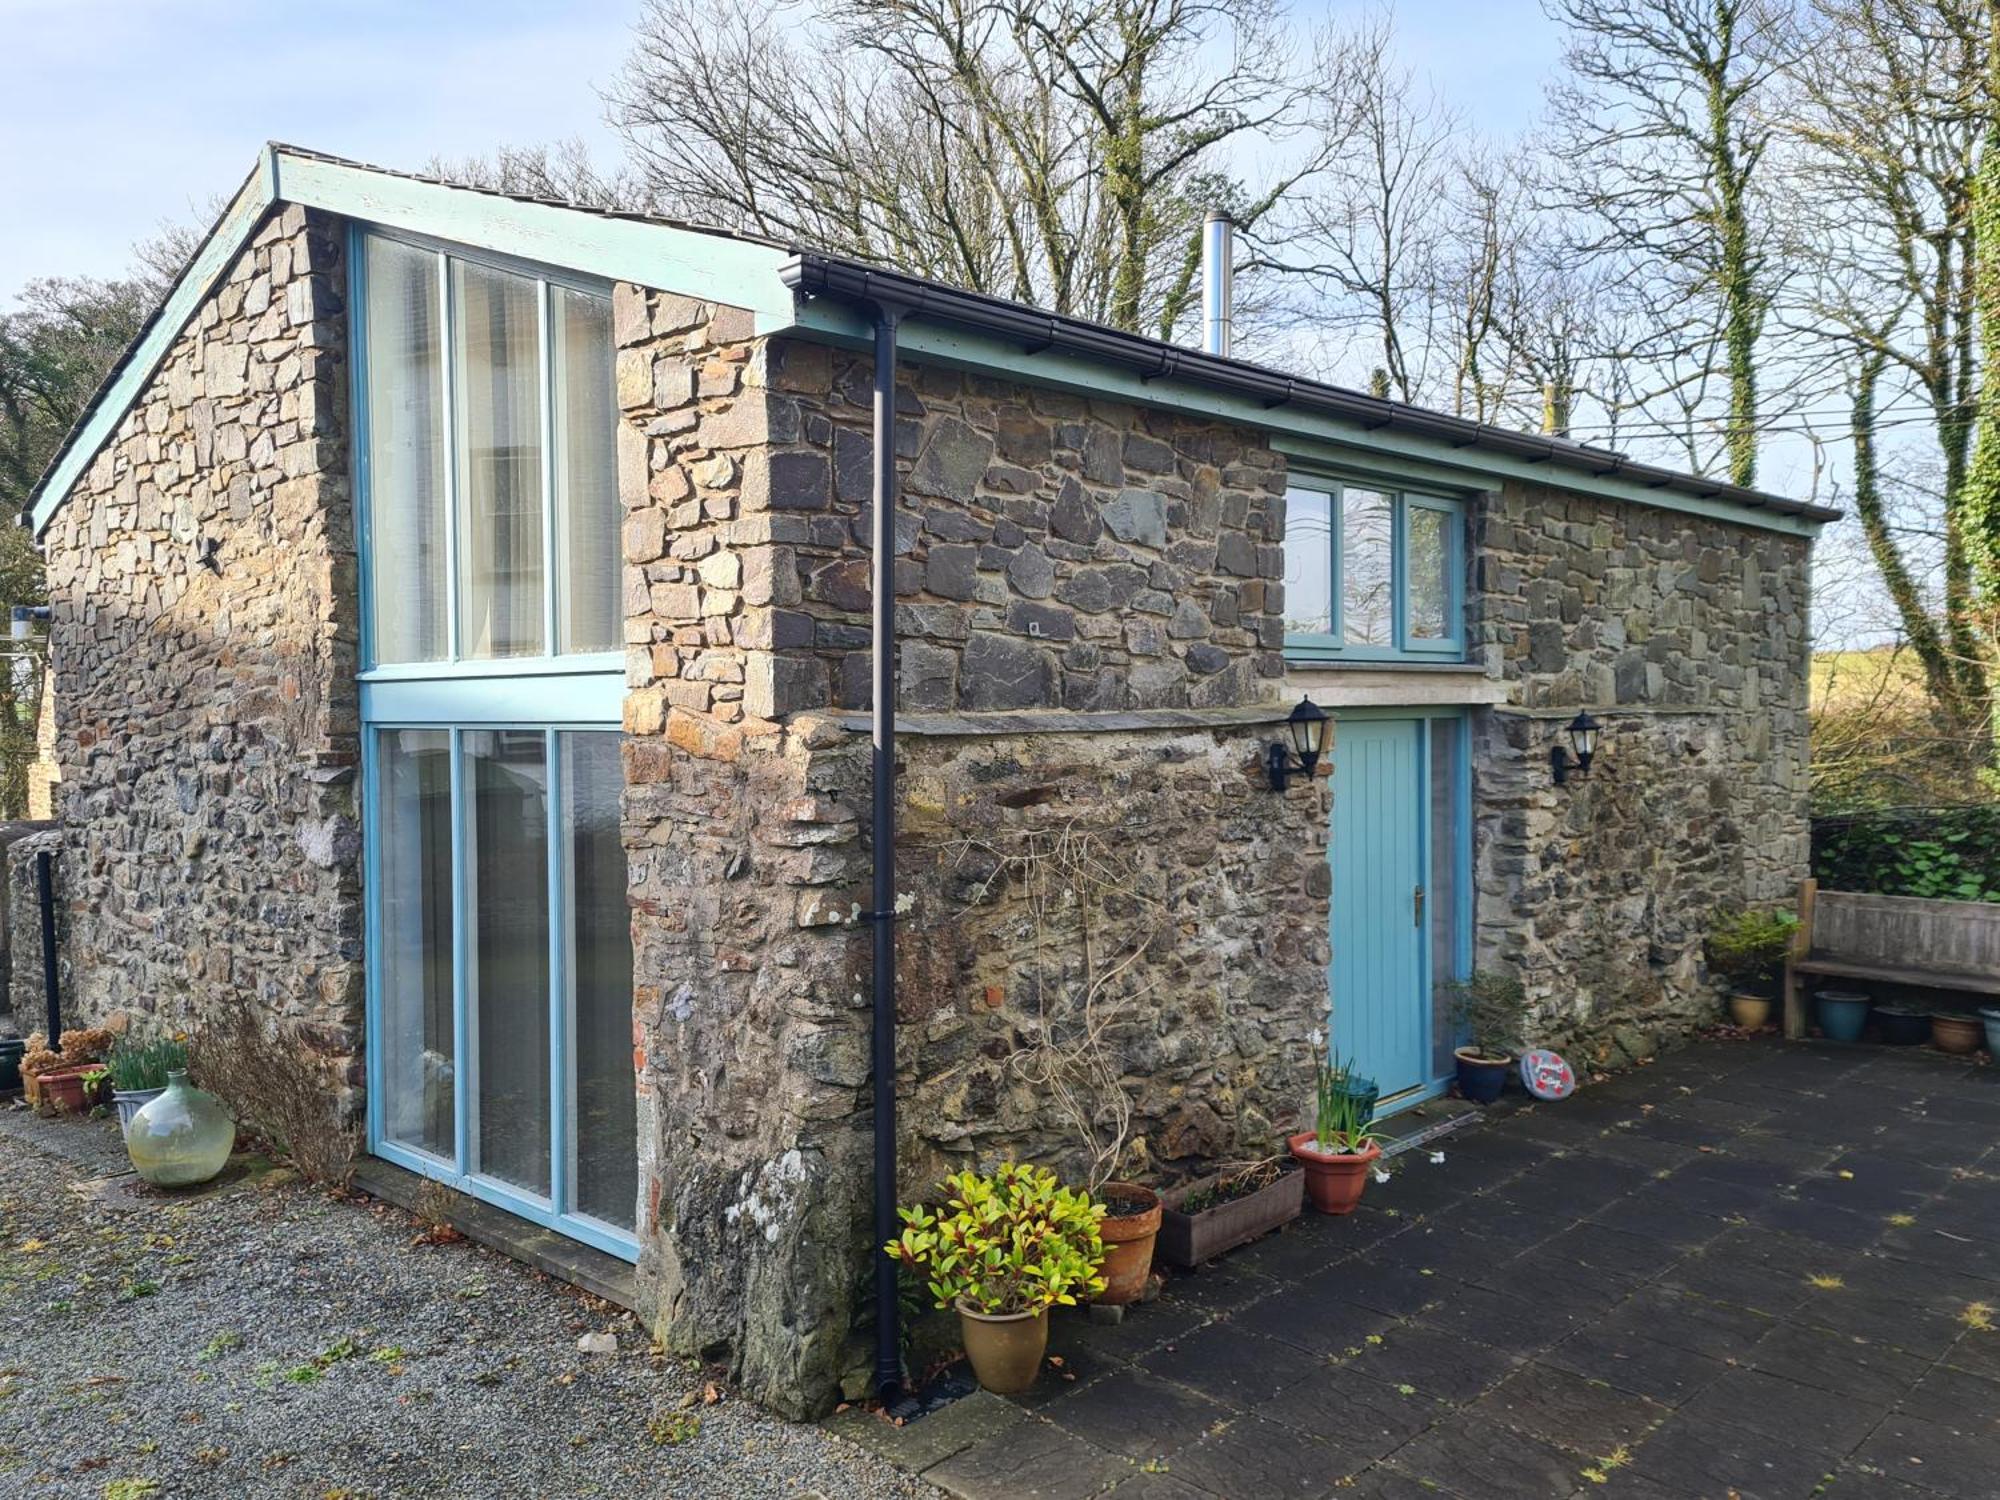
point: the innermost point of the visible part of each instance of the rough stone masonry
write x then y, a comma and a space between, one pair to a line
1114, 937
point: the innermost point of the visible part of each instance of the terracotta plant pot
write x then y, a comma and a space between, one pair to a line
1188, 1240
1749, 1011
1006, 1349
1481, 1079
1334, 1180
1951, 1032
1128, 1242
62, 1091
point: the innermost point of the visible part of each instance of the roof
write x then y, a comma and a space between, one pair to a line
797, 291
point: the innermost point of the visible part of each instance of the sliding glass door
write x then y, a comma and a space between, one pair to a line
499, 940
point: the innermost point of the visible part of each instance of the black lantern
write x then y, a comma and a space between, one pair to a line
1307, 727
1583, 737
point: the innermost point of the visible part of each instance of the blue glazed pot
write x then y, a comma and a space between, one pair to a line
1991, 1016
1842, 1016
1479, 1080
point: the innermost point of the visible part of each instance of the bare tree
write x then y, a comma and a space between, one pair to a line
1060, 153
1663, 109
562, 172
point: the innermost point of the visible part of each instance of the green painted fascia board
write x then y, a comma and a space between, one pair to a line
108, 408
711, 267
1306, 437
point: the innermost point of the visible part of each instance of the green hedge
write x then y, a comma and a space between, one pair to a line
1944, 853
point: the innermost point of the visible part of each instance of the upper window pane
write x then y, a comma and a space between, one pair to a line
409, 543
1308, 562
1367, 567
497, 438
1429, 574
588, 608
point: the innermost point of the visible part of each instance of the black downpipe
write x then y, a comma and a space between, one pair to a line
45, 893
882, 832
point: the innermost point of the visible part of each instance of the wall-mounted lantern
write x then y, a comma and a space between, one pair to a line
1582, 733
1307, 728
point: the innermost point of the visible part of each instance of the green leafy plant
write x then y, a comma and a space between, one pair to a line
1013, 1241
1938, 853
1342, 1110
137, 1066
1489, 1008
1747, 949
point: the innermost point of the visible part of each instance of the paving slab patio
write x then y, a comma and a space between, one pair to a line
1760, 1270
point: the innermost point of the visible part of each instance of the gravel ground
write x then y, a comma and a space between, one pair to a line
270, 1340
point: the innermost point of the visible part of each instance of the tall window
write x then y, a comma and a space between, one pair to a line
499, 940
1372, 574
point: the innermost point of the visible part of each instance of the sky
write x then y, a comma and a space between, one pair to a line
119, 115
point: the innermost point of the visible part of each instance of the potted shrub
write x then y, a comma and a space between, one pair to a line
139, 1073
1340, 1150
1005, 1249
1488, 1008
36, 1064
1747, 950
1214, 1214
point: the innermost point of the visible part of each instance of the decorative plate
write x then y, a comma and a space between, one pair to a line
1545, 1075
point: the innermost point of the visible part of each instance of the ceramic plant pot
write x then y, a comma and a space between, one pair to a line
1128, 1241
1900, 1026
62, 1091
1480, 1078
1989, 1017
131, 1101
1842, 1016
1334, 1180
1749, 1011
1953, 1031
1006, 1350
11, 1051
1188, 1240
181, 1138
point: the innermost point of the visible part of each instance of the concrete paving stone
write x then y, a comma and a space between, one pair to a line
1977, 1350
1492, 1151
1648, 1213
1837, 1362
917, 1445
1032, 1461
1716, 1329
1553, 1274
1236, 1368
1881, 1320
1569, 1410
1782, 1151
1145, 1326
1633, 1145
1471, 1455
1720, 1276
1863, 1483
1386, 1282
1218, 1287
1315, 1241
1251, 1455
1934, 1456
1317, 1321
1959, 1399
1460, 1251
1358, 1411
1923, 1244
1155, 1487
1665, 1373
1617, 1250
1786, 1411
1417, 1186
1384, 1482
1433, 1363
1704, 1461
1520, 1324
1136, 1415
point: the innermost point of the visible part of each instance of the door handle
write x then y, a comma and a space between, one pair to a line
1417, 907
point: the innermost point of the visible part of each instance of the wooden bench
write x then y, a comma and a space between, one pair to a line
1944, 945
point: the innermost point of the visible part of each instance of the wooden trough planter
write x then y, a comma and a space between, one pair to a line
1189, 1239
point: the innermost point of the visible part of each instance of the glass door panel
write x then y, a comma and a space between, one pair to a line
507, 951
602, 1124
415, 1036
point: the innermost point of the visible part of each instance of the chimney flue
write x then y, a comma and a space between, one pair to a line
1218, 282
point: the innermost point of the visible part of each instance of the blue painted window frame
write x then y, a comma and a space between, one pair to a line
551, 694
1332, 646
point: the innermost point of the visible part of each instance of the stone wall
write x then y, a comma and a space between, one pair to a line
204, 611
21, 964
1688, 639
1077, 559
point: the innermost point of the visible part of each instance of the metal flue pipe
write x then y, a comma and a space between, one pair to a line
1218, 282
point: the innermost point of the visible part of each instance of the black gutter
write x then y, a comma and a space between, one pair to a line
882, 834
822, 275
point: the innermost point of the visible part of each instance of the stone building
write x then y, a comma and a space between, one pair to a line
462, 646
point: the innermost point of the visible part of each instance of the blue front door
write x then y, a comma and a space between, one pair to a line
1381, 1014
